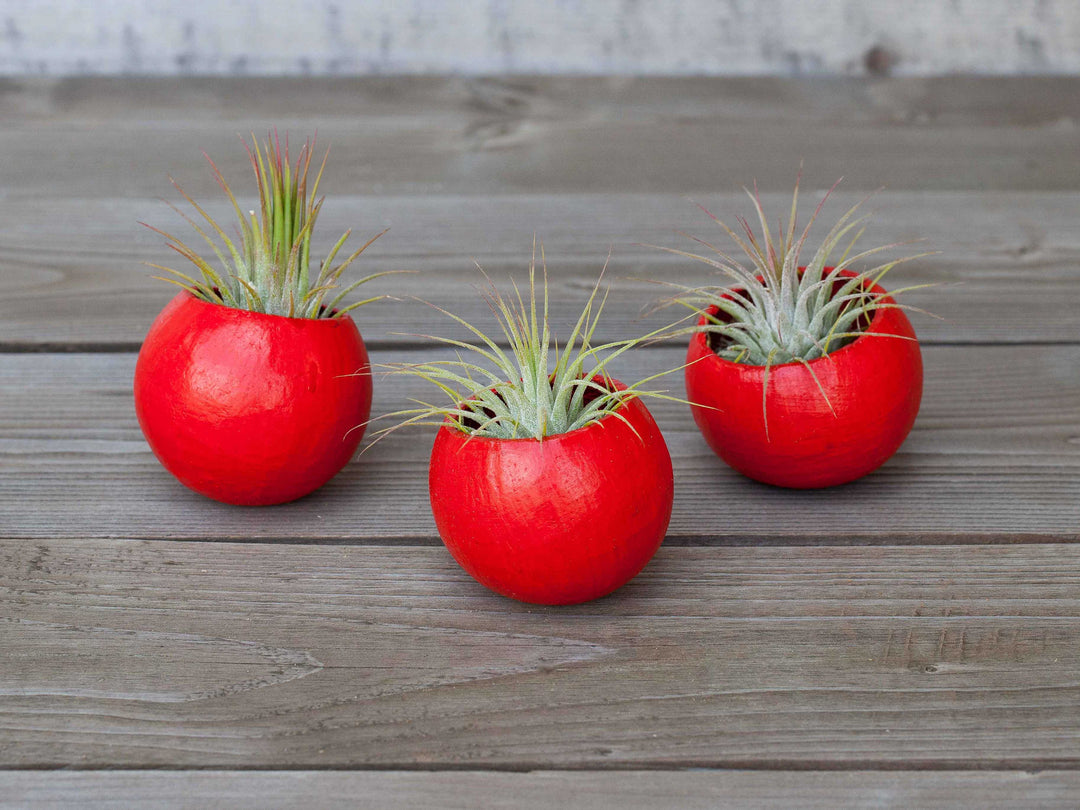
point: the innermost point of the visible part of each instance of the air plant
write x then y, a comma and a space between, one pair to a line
267, 266
779, 310
537, 388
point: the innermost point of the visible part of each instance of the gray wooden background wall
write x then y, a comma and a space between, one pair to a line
904, 37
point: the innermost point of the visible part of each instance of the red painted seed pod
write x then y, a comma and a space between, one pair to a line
248, 408
559, 521
873, 384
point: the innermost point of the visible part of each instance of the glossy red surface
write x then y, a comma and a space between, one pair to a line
249, 408
559, 521
874, 385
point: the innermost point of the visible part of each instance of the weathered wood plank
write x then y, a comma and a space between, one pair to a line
143, 654
93, 137
993, 457
831, 37
73, 272
467, 790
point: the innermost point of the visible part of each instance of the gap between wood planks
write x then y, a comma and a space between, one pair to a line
907, 540
27, 347
1031, 767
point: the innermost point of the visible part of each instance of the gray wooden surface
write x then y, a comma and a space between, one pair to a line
909, 640
687, 37
305, 655
75, 463
1006, 261
468, 790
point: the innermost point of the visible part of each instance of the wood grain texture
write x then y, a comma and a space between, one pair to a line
603, 36
925, 618
73, 272
993, 457
457, 790
115, 137
144, 654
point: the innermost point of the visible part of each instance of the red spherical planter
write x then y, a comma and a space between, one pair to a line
248, 408
874, 385
559, 521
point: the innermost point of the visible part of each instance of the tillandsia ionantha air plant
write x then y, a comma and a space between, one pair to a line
537, 388
779, 310
549, 480
251, 381
812, 371
267, 268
